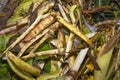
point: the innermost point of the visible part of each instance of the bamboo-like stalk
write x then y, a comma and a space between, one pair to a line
61, 39
43, 24
50, 52
71, 37
75, 30
47, 34
79, 59
44, 53
24, 34
26, 45
31, 53
63, 12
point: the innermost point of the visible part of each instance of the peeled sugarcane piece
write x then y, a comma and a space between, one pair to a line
104, 58
60, 39
63, 12
28, 44
23, 65
71, 37
19, 72
52, 28
31, 54
43, 24
24, 34
79, 59
50, 52
75, 30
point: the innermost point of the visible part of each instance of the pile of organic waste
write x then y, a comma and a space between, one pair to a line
59, 39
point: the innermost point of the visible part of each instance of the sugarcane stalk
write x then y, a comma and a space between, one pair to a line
24, 34
75, 30
28, 44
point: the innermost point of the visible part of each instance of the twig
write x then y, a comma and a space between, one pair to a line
61, 39
50, 52
7, 30
106, 22
97, 9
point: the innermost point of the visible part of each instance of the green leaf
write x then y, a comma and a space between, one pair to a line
45, 46
51, 66
47, 66
4, 73
3, 42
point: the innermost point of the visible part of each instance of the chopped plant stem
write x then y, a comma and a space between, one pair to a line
43, 24
24, 34
7, 30
31, 55
79, 60
71, 37
50, 52
90, 27
75, 30
44, 53
63, 12
26, 45
52, 28
60, 39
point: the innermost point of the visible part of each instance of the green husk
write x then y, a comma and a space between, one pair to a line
23, 65
19, 72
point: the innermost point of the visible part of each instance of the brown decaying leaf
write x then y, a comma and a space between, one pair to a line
109, 45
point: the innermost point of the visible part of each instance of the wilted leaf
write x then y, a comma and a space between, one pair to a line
3, 42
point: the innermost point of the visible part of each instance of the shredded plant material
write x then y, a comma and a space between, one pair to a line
59, 40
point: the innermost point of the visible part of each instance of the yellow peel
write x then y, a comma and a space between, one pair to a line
75, 30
